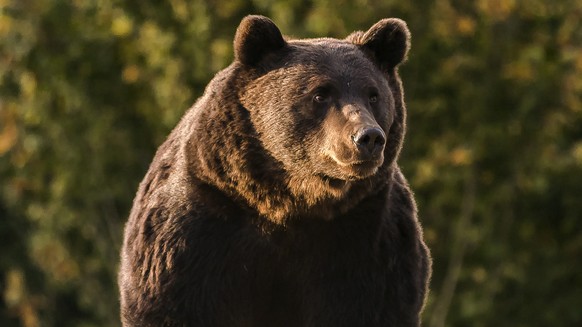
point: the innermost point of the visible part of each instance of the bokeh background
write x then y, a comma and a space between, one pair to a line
90, 88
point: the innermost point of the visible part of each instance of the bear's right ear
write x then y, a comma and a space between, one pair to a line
255, 37
387, 41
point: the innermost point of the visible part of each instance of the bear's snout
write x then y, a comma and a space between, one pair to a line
369, 141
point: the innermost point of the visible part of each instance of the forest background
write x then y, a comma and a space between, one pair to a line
90, 88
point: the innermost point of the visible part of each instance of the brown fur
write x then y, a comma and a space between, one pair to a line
261, 209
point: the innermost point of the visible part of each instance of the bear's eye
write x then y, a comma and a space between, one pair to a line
321, 98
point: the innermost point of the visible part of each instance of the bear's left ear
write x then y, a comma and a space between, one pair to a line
255, 37
387, 41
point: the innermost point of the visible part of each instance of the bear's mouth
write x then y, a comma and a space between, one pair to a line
365, 169
352, 170
359, 169
356, 166
350, 173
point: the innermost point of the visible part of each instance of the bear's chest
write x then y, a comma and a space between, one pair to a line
304, 275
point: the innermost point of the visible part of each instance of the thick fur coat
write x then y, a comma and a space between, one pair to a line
277, 200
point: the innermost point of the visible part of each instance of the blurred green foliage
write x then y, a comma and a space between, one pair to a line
90, 88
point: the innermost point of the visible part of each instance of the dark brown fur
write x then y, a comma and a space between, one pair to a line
259, 210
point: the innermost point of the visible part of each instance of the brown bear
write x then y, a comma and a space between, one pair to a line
277, 200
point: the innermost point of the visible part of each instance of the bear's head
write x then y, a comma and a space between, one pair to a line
328, 116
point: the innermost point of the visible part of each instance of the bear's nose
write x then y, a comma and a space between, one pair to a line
369, 140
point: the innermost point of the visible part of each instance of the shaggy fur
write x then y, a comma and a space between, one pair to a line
277, 200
